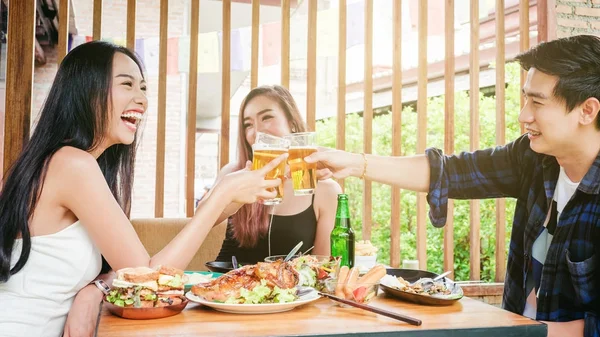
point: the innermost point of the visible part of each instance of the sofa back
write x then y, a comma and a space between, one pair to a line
156, 233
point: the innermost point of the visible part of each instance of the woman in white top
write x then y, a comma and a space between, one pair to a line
66, 200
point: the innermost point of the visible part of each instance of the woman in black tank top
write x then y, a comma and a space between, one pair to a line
256, 231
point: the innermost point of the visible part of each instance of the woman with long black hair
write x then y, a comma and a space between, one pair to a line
65, 202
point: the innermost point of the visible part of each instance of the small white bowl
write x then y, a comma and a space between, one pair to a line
364, 263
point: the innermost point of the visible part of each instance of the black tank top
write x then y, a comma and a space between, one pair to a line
286, 232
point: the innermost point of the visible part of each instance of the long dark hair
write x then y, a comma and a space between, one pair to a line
75, 113
575, 61
251, 221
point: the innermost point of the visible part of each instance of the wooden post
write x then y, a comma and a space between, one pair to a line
225, 84
340, 140
254, 48
159, 196
131, 24
19, 79
63, 30
285, 43
190, 158
422, 132
395, 224
500, 137
311, 60
449, 75
97, 21
474, 136
368, 118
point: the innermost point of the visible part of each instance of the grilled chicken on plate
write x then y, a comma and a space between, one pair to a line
277, 275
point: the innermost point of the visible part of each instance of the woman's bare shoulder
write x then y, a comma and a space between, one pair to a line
327, 190
70, 163
73, 158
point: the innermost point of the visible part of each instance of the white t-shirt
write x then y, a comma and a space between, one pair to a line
565, 189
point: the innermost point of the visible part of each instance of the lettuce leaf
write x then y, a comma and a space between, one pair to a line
307, 276
284, 295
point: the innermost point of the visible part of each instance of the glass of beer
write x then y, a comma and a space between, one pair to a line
304, 175
265, 149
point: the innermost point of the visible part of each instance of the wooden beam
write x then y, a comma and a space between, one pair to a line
254, 48
19, 79
395, 225
131, 16
63, 30
449, 76
190, 162
368, 118
542, 20
422, 131
97, 21
500, 137
474, 137
159, 196
340, 140
225, 84
483, 289
285, 43
311, 71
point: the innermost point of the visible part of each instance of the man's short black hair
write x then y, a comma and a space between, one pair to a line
575, 61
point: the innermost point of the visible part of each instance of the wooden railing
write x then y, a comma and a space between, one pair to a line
19, 86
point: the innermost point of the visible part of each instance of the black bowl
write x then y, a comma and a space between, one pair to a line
222, 266
412, 275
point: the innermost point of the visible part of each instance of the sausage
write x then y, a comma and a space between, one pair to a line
342, 276
351, 282
373, 275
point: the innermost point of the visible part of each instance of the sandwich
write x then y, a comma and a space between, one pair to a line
171, 282
134, 287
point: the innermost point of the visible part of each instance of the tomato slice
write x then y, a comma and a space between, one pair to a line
359, 294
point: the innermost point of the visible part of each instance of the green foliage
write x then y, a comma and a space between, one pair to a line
382, 145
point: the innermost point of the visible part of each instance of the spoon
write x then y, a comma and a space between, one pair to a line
234, 262
427, 282
442, 275
293, 251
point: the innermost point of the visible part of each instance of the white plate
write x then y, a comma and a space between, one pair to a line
267, 308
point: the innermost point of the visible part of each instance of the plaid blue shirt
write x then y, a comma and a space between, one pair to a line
570, 283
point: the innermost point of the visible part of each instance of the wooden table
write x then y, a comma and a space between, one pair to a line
466, 317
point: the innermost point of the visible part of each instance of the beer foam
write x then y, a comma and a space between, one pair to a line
308, 147
262, 147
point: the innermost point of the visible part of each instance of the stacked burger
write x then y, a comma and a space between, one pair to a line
171, 282
144, 287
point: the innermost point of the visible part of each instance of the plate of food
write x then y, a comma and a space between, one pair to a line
147, 293
313, 270
196, 277
402, 284
262, 288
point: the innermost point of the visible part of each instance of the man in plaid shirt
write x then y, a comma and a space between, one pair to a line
553, 171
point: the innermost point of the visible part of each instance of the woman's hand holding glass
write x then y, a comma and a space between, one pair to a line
336, 163
247, 186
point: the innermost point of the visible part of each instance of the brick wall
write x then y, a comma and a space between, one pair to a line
575, 17
147, 25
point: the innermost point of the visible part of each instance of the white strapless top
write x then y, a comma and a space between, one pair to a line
36, 300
